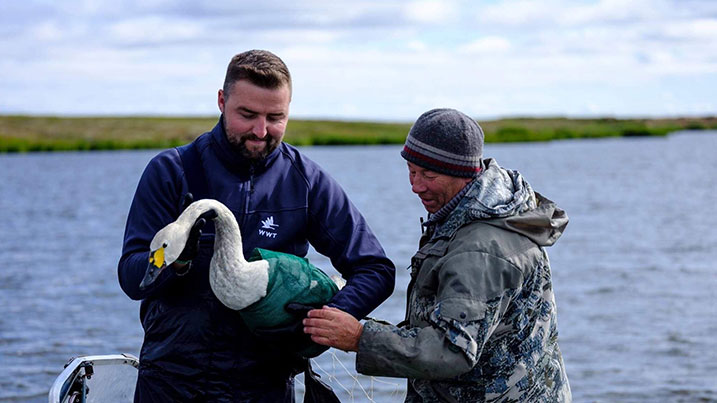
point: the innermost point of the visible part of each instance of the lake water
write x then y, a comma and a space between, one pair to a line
635, 273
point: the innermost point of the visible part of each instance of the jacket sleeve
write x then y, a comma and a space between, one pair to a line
474, 292
339, 231
156, 203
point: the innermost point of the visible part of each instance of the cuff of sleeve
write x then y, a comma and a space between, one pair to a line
369, 359
184, 270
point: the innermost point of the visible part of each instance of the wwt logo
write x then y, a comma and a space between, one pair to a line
268, 224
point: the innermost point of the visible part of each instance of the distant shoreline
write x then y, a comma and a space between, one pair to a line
46, 133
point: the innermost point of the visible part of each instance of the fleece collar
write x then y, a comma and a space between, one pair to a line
495, 193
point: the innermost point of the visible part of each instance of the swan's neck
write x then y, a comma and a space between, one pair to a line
235, 282
225, 225
228, 240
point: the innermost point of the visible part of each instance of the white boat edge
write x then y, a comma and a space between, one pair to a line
63, 381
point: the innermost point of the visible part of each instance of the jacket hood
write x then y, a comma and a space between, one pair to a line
503, 198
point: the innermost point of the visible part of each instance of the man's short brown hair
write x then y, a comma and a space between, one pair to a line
261, 67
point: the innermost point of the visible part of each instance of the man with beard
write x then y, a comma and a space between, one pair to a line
196, 349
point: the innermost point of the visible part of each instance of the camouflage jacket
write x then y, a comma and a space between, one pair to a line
481, 318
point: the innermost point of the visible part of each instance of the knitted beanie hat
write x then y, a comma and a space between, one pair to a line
445, 141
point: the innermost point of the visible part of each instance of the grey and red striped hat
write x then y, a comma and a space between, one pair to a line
445, 141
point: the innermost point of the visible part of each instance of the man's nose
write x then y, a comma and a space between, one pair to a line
259, 129
417, 186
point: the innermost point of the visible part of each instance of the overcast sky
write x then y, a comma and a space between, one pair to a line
367, 60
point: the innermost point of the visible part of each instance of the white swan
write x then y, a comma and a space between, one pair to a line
260, 288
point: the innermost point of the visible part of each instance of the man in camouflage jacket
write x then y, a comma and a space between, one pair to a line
481, 319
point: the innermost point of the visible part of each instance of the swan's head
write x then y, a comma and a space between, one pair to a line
169, 242
165, 248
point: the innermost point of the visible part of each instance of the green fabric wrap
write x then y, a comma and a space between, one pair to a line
291, 279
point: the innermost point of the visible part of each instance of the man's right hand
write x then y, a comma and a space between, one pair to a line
191, 248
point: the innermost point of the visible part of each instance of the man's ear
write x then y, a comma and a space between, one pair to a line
220, 100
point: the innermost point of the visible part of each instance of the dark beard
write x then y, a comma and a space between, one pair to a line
240, 147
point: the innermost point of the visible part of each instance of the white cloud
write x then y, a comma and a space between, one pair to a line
561, 13
430, 11
386, 60
46, 31
488, 44
152, 29
416, 45
517, 13
702, 30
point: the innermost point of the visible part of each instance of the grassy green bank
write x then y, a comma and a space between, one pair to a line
44, 133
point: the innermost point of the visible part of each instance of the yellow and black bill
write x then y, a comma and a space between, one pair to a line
154, 268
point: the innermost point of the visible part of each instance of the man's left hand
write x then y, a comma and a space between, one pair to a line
333, 327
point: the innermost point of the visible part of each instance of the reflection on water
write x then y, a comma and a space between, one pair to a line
633, 274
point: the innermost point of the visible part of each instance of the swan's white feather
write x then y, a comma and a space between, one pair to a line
235, 282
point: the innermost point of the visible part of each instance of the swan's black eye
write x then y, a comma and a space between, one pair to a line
164, 245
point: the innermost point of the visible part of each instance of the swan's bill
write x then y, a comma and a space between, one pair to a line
155, 266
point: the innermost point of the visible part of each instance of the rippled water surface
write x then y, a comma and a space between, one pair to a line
635, 273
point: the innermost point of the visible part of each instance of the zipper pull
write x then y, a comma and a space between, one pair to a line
251, 179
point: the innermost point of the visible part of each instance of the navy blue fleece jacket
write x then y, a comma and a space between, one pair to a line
283, 203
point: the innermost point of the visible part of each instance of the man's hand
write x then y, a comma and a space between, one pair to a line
181, 265
192, 246
333, 327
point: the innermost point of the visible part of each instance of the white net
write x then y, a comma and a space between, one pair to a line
349, 386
